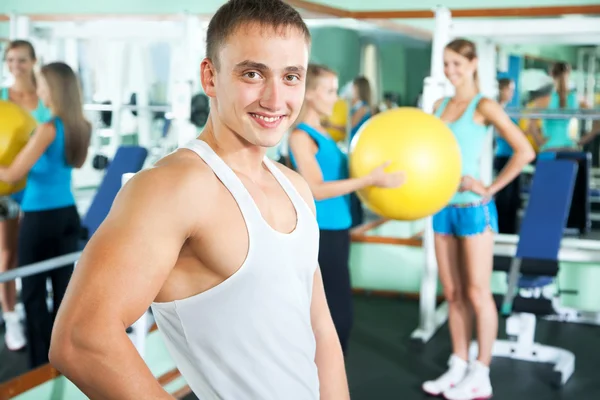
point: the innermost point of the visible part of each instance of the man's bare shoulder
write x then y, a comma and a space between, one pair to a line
299, 183
180, 176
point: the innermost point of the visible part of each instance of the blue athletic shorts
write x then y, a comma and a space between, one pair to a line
466, 219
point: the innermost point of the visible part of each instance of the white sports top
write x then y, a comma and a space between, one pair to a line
250, 337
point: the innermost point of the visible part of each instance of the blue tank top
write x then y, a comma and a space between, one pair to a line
49, 181
471, 139
557, 130
41, 114
354, 129
333, 213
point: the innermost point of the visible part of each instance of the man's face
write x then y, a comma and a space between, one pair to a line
259, 88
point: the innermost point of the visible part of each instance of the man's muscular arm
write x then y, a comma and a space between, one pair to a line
329, 357
121, 271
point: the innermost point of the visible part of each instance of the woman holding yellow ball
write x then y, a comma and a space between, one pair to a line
317, 157
20, 59
464, 229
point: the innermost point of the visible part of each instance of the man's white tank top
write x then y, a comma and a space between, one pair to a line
250, 337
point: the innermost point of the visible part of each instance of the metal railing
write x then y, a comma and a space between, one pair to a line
40, 267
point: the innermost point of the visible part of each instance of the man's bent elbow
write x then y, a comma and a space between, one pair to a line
528, 154
68, 345
62, 353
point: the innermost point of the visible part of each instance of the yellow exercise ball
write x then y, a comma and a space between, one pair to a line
417, 143
524, 125
16, 126
339, 117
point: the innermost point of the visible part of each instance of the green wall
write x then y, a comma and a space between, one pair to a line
393, 68
418, 68
402, 64
339, 49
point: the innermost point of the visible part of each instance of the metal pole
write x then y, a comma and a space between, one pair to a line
488, 85
591, 85
20, 27
39, 267
580, 85
436, 87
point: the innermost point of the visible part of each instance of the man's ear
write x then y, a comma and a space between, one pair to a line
208, 74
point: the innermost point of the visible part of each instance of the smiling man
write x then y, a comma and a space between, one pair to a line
221, 242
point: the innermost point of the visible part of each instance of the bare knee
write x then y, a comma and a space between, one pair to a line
454, 296
479, 296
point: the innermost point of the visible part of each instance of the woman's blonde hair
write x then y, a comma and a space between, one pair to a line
313, 73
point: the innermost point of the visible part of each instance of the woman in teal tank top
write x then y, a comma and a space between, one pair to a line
464, 229
20, 59
50, 226
317, 157
555, 132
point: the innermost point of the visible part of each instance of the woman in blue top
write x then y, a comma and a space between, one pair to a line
464, 230
555, 132
317, 157
20, 59
508, 200
50, 225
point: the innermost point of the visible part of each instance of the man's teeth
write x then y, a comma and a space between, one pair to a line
268, 119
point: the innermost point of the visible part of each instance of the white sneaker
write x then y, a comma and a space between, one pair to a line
475, 386
14, 336
455, 374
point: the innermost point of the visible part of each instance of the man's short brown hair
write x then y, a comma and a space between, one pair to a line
233, 14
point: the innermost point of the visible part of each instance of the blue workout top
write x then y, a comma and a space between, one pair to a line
41, 114
354, 129
557, 130
503, 149
471, 139
332, 213
49, 181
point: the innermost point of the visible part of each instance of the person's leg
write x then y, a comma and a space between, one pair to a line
35, 245
504, 200
9, 230
7, 290
334, 249
459, 314
515, 206
477, 245
67, 243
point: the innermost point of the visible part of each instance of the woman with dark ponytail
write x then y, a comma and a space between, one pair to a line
556, 131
